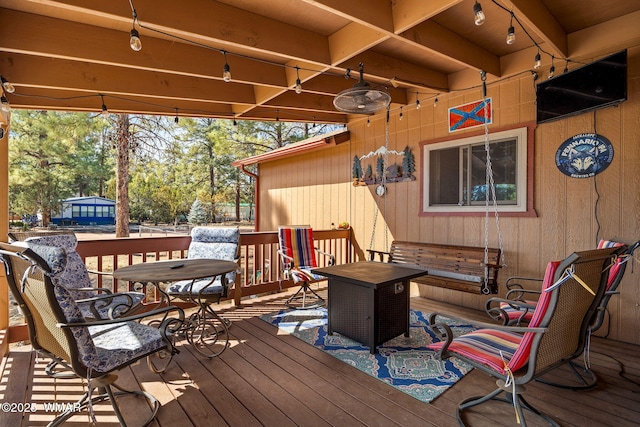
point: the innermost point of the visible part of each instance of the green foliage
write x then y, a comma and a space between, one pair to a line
53, 156
58, 155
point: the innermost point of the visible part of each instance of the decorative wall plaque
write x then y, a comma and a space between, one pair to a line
584, 155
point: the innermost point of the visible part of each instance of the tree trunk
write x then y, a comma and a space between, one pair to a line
122, 176
238, 197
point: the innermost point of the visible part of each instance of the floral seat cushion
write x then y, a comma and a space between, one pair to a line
75, 276
220, 243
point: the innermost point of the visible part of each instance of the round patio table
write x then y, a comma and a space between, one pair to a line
204, 329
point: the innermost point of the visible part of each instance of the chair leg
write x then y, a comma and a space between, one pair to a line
585, 378
84, 402
519, 403
301, 294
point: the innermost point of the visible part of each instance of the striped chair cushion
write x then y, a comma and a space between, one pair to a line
494, 348
615, 268
297, 243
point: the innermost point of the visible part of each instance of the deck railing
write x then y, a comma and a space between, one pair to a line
261, 270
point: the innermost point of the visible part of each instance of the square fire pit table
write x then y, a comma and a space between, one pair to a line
369, 301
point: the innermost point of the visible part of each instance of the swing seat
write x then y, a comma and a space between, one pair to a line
460, 268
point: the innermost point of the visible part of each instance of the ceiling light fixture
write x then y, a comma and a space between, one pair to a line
226, 71
298, 86
478, 14
511, 32
7, 86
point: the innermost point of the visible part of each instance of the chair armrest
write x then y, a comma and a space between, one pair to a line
104, 290
162, 310
513, 281
332, 258
103, 301
493, 308
519, 294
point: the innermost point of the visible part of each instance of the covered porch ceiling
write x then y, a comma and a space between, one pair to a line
74, 55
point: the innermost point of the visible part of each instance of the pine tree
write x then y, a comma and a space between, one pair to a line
197, 215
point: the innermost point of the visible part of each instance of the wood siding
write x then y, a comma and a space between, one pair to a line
315, 188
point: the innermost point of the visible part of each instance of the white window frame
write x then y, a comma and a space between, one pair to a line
521, 206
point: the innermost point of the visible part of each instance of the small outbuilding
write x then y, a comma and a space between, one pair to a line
90, 210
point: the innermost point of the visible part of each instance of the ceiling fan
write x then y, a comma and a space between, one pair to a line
361, 98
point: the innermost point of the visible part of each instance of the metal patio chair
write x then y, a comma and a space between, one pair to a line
97, 303
517, 308
92, 349
210, 332
516, 355
298, 257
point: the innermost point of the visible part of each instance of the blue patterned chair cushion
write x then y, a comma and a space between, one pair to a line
104, 348
74, 274
209, 243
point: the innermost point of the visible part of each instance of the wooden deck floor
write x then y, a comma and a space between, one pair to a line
267, 379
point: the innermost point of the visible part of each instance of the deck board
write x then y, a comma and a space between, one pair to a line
271, 379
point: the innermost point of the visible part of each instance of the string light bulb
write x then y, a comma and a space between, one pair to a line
511, 32
176, 118
536, 61
478, 14
435, 102
6, 107
401, 115
134, 40
368, 122
552, 70
134, 37
566, 66
226, 71
298, 86
105, 111
7, 86
418, 105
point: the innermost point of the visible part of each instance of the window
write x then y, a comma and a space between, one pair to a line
75, 211
454, 175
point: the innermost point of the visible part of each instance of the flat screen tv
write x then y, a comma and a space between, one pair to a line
597, 85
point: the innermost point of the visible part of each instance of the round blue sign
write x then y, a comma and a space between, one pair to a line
584, 155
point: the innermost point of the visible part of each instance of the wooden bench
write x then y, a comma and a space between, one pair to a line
461, 268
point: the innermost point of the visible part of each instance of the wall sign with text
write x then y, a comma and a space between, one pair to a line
584, 155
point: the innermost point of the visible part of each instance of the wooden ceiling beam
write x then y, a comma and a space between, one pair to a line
24, 33
374, 13
435, 37
99, 78
534, 15
212, 23
409, 13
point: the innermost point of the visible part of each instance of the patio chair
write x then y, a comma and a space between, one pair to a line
298, 257
210, 333
517, 309
97, 303
92, 349
516, 355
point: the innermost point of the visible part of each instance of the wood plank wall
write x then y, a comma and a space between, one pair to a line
316, 189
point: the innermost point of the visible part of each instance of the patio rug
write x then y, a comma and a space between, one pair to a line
402, 362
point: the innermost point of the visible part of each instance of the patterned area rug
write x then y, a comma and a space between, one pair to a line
402, 362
